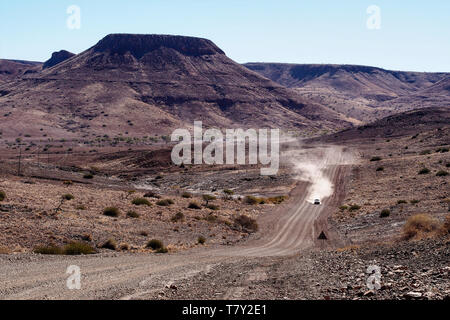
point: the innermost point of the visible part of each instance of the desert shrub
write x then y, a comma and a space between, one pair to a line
152, 194
68, 197
51, 250
380, 169
2, 195
447, 164
111, 212
133, 214
414, 201
228, 192
349, 248
124, 247
94, 170
344, 207
211, 218
201, 240
385, 213
424, 171
354, 207
110, 244
446, 224
247, 223
207, 198
81, 207
88, 176
78, 248
276, 200
68, 183
186, 195
165, 202
86, 237
143, 233
155, 244
194, 205
179, 216
4, 250
251, 200
442, 150
140, 202
424, 152
213, 207
401, 201
130, 192
375, 158
419, 225
442, 173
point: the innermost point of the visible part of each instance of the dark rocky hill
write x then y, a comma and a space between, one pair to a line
151, 84
57, 57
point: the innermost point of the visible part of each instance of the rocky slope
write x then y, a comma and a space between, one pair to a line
142, 84
360, 92
409, 123
13, 69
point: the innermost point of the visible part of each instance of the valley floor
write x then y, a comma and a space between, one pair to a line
279, 261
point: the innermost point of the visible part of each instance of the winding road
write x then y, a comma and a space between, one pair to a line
288, 229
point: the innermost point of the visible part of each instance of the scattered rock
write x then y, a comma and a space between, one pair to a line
413, 294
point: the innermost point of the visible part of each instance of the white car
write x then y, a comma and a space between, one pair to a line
316, 201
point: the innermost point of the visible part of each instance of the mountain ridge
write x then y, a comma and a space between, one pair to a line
362, 93
146, 84
57, 57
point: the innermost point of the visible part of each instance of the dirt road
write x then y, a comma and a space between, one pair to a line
286, 230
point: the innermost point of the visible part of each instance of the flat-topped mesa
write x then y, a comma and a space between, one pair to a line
140, 44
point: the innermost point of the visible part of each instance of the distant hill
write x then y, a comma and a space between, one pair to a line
13, 69
57, 57
139, 85
361, 93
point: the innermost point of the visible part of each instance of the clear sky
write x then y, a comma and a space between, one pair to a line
414, 35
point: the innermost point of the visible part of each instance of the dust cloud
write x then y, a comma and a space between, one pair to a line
310, 164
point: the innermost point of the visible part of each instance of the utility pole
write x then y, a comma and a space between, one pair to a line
20, 161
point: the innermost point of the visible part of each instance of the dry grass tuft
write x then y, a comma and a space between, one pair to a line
78, 248
194, 205
201, 240
133, 214
71, 249
141, 202
165, 202
446, 225
110, 244
420, 226
111, 212
4, 250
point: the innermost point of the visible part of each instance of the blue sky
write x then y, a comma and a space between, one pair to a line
414, 35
